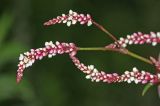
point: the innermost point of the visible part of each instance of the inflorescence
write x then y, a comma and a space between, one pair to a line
138, 39
28, 58
50, 50
133, 76
71, 19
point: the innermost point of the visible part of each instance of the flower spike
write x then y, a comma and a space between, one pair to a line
135, 75
138, 39
50, 50
70, 19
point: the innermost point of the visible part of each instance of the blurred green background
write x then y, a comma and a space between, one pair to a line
56, 82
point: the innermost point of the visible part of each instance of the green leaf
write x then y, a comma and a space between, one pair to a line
146, 88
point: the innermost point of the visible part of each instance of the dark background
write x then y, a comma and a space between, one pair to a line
56, 82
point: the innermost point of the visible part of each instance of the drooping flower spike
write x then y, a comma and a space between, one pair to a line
138, 39
70, 19
135, 75
50, 50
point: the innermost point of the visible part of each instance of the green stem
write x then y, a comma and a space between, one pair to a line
123, 51
139, 57
105, 30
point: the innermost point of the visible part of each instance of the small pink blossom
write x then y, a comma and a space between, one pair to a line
50, 50
71, 19
138, 39
134, 75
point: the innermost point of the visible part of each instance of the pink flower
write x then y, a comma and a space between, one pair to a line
50, 50
71, 19
135, 75
138, 39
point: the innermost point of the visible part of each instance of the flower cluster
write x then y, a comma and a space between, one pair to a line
139, 39
28, 58
71, 18
133, 76
50, 50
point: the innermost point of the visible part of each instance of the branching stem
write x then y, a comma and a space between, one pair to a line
122, 51
105, 30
